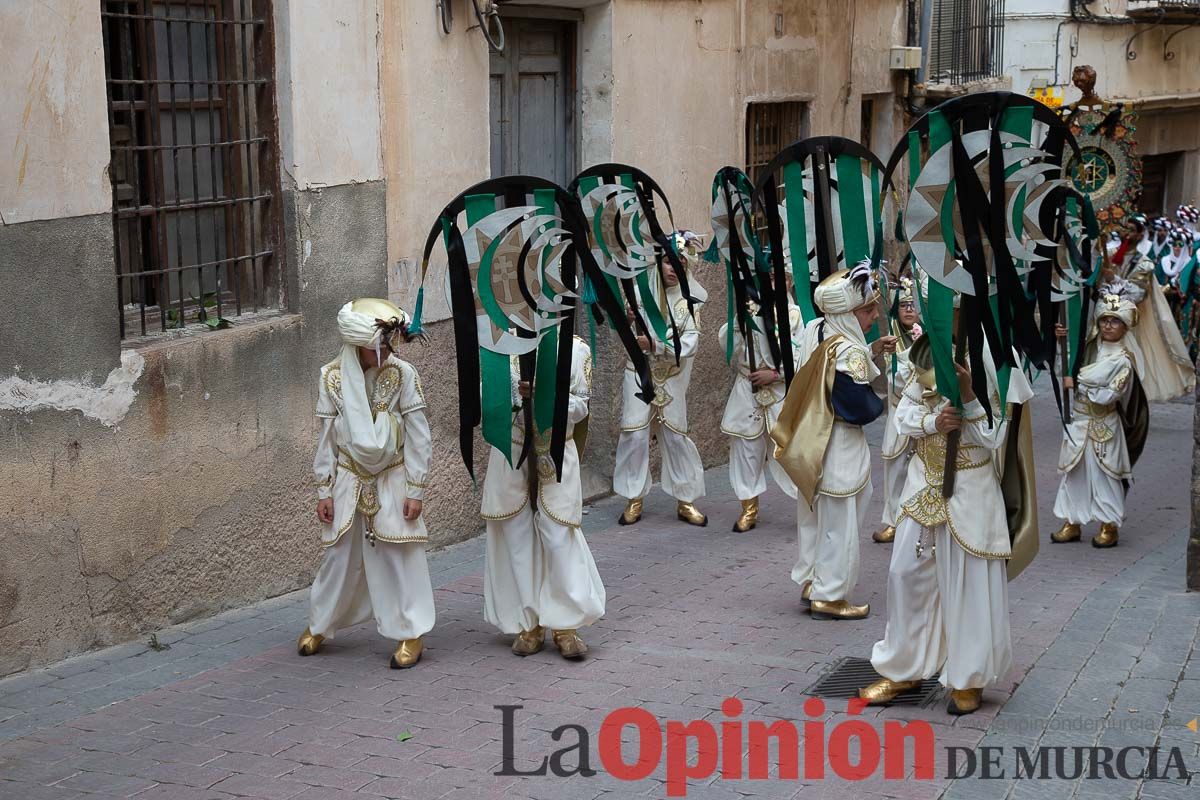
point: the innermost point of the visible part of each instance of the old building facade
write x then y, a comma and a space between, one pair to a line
1146, 54
192, 188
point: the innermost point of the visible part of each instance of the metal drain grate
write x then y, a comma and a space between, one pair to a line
844, 677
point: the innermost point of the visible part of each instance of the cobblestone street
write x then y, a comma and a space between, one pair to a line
1104, 643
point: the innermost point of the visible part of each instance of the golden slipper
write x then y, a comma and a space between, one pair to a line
570, 644
1069, 532
749, 516
964, 701
529, 642
1107, 537
884, 691
691, 515
407, 654
309, 644
631, 514
837, 609
885, 535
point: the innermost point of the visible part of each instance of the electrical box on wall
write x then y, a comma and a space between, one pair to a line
906, 58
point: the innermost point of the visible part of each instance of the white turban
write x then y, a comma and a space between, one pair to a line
838, 296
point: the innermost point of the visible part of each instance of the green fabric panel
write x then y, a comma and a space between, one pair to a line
547, 353
940, 307
877, 209
914, 157
793, 186
494, 374
852, 208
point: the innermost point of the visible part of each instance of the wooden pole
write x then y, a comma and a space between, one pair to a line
953, 437
1066, 363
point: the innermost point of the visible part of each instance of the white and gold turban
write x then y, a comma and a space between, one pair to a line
1112, 304
846, 290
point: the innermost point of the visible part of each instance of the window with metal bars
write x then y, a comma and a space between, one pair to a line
966, 40
770, 127
191, 125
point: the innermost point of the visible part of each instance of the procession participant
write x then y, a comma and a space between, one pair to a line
821, 444
1160, 243
897, 449
1108, 428
1166, 370
682, 467
751, 411
947, 582
1188, 217
371, 465
538, 571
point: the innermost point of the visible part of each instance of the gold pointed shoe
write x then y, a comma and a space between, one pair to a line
749, 516
884, 691
806, 594
885, 535
691, 515
1107, 537
529, 642
570, 644
407, 654
837, 609
1069, 532
308, 644
964, 701
631, 514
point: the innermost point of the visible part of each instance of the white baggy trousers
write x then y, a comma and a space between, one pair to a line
539, 572
682, 468
947, 610
356, 582
1088, 493
828, 541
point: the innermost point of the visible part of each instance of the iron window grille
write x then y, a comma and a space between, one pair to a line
192, 132
770, 127
966, 41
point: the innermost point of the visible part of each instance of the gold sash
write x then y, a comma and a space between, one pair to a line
805, 422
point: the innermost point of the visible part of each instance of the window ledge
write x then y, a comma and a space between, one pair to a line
197, 332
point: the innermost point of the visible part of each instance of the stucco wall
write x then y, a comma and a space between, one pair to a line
327, 66
173, 480
54, 128
434, 91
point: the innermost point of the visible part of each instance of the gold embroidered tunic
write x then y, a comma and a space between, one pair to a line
394, 389
751, 413
1096, 423
975, 515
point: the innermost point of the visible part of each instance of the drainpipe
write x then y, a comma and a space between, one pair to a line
926, 25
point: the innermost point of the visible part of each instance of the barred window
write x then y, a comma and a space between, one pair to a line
195, 186
966, 41
770, 127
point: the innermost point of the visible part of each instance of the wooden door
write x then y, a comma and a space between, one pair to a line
532, 101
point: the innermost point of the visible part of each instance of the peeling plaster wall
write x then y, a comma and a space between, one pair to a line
160, 484
54, 129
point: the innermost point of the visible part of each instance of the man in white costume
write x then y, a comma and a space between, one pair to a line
682, 467
821, 443
897, 449
750, 412
539, 572
371, 465
1095, 460
1166, 370
947, 590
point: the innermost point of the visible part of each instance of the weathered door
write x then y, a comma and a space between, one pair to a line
533, 100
